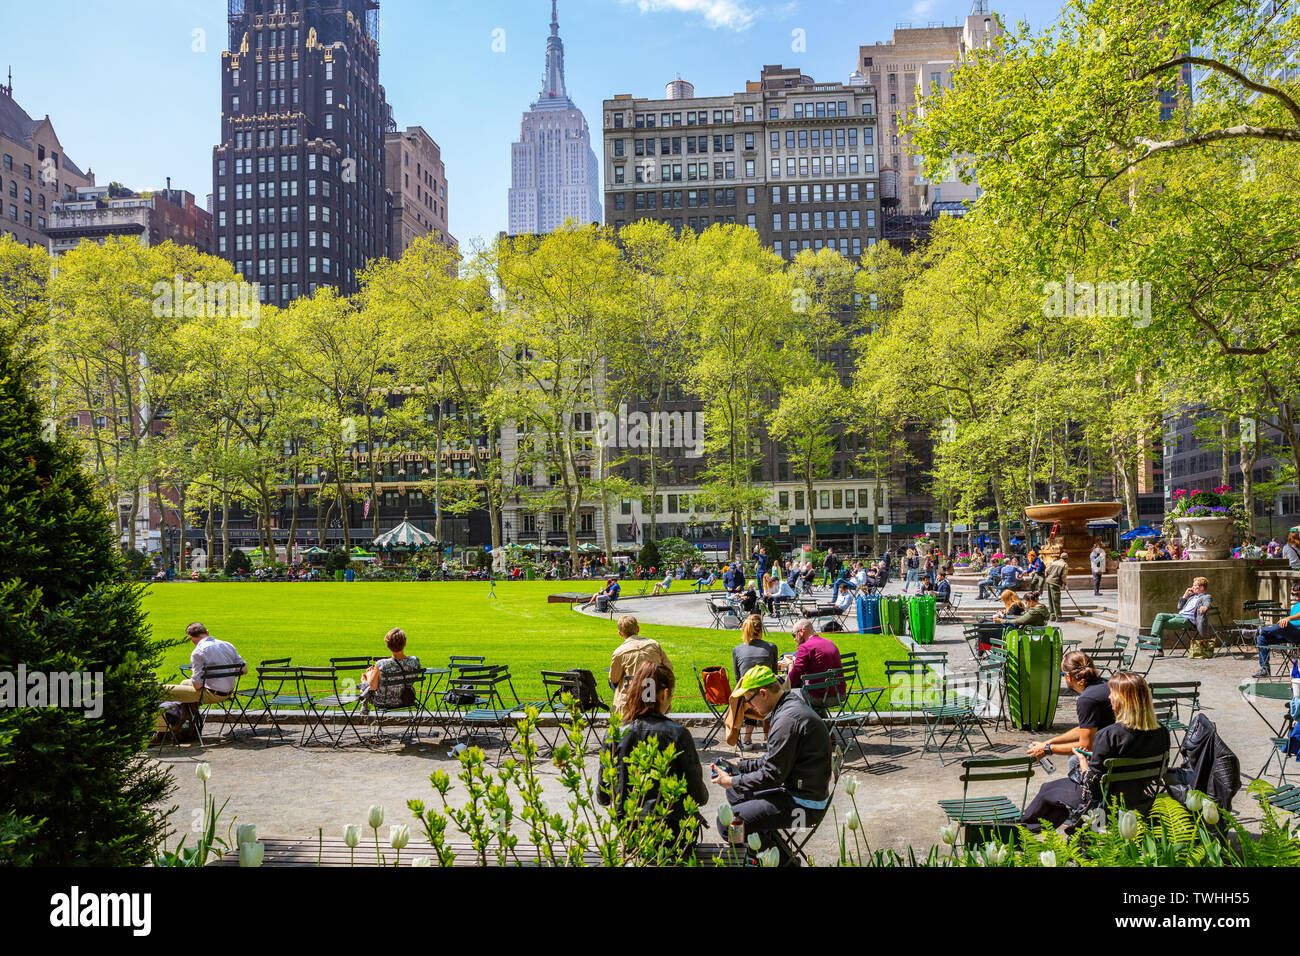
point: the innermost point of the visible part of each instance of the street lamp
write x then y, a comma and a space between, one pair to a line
855, 534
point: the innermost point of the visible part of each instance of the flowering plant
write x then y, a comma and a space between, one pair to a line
1222, 501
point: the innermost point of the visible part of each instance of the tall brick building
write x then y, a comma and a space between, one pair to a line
298, 178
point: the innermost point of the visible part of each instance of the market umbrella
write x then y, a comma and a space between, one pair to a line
314, 550
588, 548
405, 535
1145, 531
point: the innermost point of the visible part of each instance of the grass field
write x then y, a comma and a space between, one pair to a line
312, 622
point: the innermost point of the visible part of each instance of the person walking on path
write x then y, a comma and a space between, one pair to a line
1097, 561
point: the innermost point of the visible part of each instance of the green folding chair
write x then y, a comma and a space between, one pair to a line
978, 816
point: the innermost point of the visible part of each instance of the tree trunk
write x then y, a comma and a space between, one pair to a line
225, 523
1248, 459
180, 514
812, 520
1225, 454
1004, 536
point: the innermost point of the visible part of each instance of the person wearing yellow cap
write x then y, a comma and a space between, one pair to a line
790, 784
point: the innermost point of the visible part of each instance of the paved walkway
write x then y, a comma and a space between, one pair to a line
288, 791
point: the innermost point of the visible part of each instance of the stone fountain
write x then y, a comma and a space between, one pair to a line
1070, 520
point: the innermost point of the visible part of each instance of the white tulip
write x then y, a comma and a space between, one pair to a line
250, 854
422, 861
949, 834
1210, 812
726, 815
998, 855
1047, 858
755, 842
850, 785
203, 771
352, 834
399, 835
1128, 824
376, 817
853, 822
769, 857
1194, 801
245, 833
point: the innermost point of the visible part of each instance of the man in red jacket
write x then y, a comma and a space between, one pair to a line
815, 655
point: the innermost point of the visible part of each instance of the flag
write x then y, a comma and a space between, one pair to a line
365, 510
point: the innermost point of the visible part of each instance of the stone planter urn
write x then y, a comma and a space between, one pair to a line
1206, 538
922, 548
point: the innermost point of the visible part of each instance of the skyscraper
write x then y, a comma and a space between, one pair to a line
554, 175
299, 174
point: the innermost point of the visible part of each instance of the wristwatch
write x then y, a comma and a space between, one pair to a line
1047, 749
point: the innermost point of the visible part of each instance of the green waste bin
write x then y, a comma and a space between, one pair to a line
528, 574
338, 575
893, 613
920, 618
1033, 672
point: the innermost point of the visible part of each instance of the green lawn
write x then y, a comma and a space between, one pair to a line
312, 622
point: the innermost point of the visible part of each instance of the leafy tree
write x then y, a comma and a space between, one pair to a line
78, 791
648, 556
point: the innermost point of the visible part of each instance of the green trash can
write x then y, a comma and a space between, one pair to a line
920, 618
528, 574
338, 575
892, 613
1033, 672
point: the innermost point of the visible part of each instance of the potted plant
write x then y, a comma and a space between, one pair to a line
1206, 521
922, 543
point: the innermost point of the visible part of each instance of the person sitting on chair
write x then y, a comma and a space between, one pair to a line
733, 580
816, 654
195, 689
376, 688
663, 585
610, 590
1193, 608
628, 656
1092, 707
1285, 631
779, 593
705, 582
1135, 733
1035, 614
790, 784
753, 652
645, 711
749, 599
942, 588
992, 583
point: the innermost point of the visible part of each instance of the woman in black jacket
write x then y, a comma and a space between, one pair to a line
1135, 733
645, 717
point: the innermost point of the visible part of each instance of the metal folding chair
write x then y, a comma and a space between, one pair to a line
557, 685
977, 816
330, 697
200, 711
718, 713
947, 611
249, 696
1168, 698
868, 698
843, 725
412, 712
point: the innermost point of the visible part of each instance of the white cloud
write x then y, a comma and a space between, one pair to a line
732, 14
921, 8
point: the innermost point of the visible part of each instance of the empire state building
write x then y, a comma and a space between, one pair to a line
554, 174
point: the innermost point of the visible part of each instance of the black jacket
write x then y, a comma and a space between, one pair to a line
686, 765
1208, 765
798, 757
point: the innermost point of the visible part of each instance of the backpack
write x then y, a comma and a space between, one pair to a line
717, 685
585, 690
832, 626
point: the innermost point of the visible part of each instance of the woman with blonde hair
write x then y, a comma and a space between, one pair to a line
751, 653
1135, 733
913, 564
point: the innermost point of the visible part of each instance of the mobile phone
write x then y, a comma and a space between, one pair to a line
1086, 753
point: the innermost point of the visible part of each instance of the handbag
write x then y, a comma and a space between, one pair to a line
1202, 649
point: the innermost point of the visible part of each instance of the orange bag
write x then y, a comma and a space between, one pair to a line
717, 685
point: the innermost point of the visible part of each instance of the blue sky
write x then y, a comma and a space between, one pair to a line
131, 97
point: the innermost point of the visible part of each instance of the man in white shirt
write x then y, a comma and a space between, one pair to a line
197, 688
